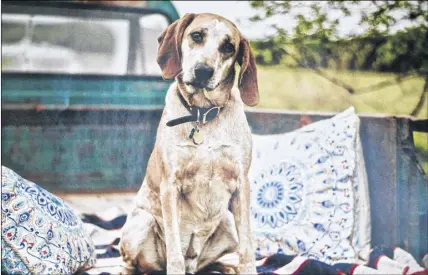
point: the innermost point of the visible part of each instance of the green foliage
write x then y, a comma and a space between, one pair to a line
314, 40
406, 51
269, 51
421, 146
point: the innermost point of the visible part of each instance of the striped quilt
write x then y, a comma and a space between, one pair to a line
106, 236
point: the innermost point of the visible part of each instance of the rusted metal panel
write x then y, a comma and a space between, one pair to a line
70, 151
412, 194
79, 158
378, 137
91, 10
55, 91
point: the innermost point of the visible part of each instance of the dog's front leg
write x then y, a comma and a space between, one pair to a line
170, 213
241, 212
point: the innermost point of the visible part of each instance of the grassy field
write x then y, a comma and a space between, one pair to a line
303, 90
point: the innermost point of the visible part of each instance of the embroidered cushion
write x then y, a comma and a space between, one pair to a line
40, 233
309, 194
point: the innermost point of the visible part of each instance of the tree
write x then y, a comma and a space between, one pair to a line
315, 39
377, 17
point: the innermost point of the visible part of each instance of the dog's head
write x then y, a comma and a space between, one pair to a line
202, 49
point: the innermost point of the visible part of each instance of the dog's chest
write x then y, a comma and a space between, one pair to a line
207, 179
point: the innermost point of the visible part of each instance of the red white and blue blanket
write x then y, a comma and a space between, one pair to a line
106, 236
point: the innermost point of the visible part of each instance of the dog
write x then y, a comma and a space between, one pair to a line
194, 203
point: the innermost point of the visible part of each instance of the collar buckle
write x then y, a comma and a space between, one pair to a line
204, 116
198, 116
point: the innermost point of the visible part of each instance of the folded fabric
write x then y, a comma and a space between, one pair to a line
394, 261
382, 260
115, 223
40, 233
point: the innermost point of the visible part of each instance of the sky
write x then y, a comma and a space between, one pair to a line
239, 12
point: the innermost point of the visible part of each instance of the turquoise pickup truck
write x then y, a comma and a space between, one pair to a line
83, 118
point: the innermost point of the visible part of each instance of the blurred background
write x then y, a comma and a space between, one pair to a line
311, 55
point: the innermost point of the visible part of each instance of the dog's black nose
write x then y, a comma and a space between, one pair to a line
203, 72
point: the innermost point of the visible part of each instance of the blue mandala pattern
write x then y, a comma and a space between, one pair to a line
40, 233
302, 191
278, 193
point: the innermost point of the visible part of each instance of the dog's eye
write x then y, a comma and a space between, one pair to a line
228, 48
196, 36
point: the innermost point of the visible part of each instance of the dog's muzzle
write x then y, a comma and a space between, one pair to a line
203, 74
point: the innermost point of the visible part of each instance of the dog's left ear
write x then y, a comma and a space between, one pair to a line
169, 49
247, 81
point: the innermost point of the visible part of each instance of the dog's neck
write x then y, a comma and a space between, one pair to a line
201, 106
204, 99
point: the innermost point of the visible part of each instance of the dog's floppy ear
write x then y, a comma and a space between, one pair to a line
247, 81
169, 49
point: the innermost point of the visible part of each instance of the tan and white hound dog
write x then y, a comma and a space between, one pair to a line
193, 206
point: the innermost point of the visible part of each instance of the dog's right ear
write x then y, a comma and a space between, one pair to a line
169, 49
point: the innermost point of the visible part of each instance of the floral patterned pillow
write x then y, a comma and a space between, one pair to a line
40, 233
309, 195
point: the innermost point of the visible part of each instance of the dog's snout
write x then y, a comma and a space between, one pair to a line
203, 72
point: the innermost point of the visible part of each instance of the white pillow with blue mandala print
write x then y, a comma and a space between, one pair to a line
40, 233
309, 195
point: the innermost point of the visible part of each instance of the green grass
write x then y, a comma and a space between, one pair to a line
421, 144
303, 90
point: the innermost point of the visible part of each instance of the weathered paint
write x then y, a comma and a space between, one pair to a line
28, 91
77, 150
165, 6
411, 194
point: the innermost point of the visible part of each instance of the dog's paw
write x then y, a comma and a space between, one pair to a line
175, 271
247, 269
127, 270
229, 269
175, 267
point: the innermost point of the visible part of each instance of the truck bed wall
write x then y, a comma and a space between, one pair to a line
108, 150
